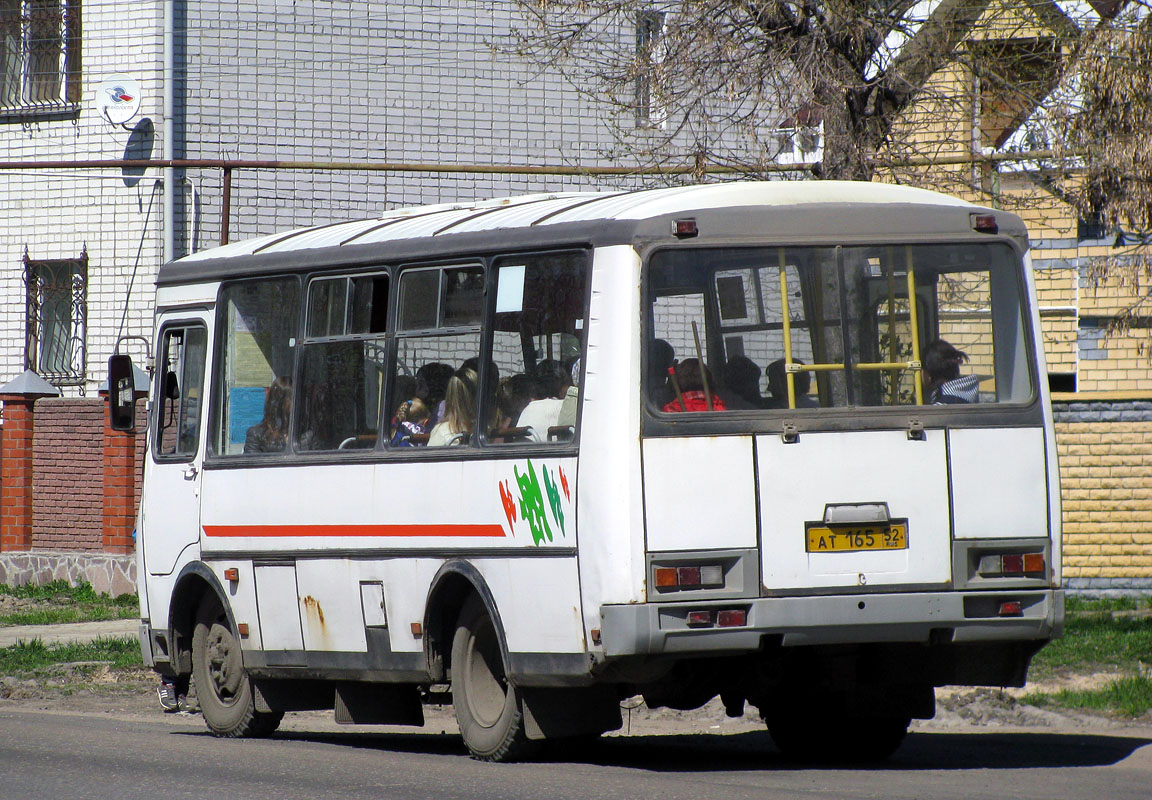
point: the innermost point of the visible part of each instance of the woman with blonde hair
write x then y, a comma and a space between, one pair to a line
459, 410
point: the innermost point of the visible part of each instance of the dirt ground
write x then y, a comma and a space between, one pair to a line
24, 605
96, 689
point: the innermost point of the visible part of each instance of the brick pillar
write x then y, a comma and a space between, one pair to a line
16, 471
19, 397
119, 486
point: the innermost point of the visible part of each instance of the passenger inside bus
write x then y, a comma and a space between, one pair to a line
431, 387
513, 395
551, 385
411, 423
567, 417
694, 388
271, 434
661, 356
943, 383
459, 410
742, 381
778, 386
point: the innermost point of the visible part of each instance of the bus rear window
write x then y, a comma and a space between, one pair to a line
795, 327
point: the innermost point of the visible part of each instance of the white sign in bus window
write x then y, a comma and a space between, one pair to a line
510, 290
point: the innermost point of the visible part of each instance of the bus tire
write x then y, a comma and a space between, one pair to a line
489, 709
222, 685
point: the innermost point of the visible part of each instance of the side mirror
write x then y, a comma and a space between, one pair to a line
121, 393
171, 386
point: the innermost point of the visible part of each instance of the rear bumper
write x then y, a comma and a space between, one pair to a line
936, 617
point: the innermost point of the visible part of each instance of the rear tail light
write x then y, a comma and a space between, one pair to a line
688, 576
725, 618
1011, 608
984, 223
696, 576
732, 618
699, 619
1034, 562
666, 578
1012, 565
712, 575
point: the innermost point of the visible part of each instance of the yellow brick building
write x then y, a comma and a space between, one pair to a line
1102, 394
1101, 378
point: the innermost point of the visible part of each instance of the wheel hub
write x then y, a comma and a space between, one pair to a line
224, 667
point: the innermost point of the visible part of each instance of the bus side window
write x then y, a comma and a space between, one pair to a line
437, 356
181, 395
537, 345
342, 364
254, 366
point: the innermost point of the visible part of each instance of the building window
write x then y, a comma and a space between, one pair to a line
57, 313
39, 55
649, 25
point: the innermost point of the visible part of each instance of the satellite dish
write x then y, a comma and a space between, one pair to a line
118, 98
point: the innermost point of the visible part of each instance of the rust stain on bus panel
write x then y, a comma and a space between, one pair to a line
312, 607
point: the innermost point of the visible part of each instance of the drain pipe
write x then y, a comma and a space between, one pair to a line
169, 130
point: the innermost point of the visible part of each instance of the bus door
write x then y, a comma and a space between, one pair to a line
171, 497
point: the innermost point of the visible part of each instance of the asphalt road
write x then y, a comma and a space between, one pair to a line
46, 754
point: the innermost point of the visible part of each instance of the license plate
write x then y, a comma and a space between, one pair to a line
851, 538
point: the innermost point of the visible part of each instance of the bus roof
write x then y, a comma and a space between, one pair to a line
623, 212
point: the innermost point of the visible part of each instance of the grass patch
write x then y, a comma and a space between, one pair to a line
1130, 696
28, 657
1106, 605
1102, 635
59, 602
1112, 634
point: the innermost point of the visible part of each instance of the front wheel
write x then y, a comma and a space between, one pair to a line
222, 685
489, 709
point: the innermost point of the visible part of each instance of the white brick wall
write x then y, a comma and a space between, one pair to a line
59, 213
402, 81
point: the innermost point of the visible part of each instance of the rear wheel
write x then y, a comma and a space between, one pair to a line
489, 709
222, 685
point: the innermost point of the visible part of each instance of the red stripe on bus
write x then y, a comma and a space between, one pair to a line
354, 530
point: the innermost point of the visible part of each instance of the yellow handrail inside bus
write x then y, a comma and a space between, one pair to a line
791, 367
894, 393
787, 328
914, 320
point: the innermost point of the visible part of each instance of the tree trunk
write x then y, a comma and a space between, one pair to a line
847, 156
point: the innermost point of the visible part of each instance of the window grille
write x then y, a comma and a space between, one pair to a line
57, 317
39, 55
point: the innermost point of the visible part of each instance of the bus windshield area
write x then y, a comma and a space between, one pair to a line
740, 329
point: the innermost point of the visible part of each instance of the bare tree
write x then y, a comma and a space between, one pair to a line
717, 79
1103, 119
1100, 127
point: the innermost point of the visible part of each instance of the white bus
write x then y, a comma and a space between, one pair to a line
788, 444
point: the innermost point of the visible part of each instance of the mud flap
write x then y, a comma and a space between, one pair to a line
378, 704
553, 713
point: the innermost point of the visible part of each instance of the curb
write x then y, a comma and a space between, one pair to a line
11, 635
